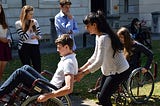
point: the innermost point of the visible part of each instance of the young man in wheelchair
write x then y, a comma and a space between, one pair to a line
67, 68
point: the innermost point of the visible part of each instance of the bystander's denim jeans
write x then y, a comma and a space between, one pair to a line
25, 75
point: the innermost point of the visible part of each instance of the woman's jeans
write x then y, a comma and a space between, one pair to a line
25, 75
30, 53
109, 85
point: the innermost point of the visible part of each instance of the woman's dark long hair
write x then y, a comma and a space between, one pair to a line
103, 26
3, 18
133, 30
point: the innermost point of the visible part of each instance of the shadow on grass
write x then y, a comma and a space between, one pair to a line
153, 101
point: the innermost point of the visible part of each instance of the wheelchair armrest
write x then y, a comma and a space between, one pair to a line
45, 83
47, 73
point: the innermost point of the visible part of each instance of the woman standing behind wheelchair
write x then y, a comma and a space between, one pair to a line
108, 56
133, 50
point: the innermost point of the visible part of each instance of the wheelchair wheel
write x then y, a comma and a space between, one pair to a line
140, 86
120, 97
120, 100
32, 101
65, 100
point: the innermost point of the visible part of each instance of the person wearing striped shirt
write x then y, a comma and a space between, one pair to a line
29, 32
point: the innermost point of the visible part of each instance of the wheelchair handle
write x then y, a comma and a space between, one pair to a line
45, 72
44, 82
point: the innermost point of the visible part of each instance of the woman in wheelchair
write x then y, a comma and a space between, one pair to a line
133, 50
67, 68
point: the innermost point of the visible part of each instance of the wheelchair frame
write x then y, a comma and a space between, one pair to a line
134, 87
23, 96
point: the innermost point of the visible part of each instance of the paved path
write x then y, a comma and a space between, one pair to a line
77, 101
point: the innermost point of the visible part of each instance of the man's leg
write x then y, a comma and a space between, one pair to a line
33, 72
37, 75
17, 77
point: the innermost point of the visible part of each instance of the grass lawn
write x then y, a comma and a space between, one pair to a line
49, 62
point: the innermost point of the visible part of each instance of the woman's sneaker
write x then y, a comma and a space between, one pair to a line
93, 91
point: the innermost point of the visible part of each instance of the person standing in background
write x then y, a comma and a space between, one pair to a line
5, 40
136, 30
29, 31
65, 22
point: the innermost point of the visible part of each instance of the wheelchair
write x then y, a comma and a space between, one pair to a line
139, 86
23, 96
137, 89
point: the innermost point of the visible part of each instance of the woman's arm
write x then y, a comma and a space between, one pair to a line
38, 33
3, 40
103, 45
23, 35
148, 53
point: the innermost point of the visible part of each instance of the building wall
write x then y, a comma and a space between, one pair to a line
44, 10
146, 8
133, 11
141, 9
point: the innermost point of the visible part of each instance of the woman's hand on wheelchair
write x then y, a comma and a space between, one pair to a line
144, 70
79, 76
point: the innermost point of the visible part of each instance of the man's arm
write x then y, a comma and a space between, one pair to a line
67, 89
61, 26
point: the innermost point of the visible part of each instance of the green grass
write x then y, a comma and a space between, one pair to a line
49, 62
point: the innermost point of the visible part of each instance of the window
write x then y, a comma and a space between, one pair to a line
113, 7
4, 3
48, 3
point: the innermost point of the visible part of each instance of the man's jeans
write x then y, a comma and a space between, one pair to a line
25, 75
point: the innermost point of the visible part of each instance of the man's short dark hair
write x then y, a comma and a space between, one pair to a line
65, 2
65, 39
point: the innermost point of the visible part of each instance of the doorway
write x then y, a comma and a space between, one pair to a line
98, 5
